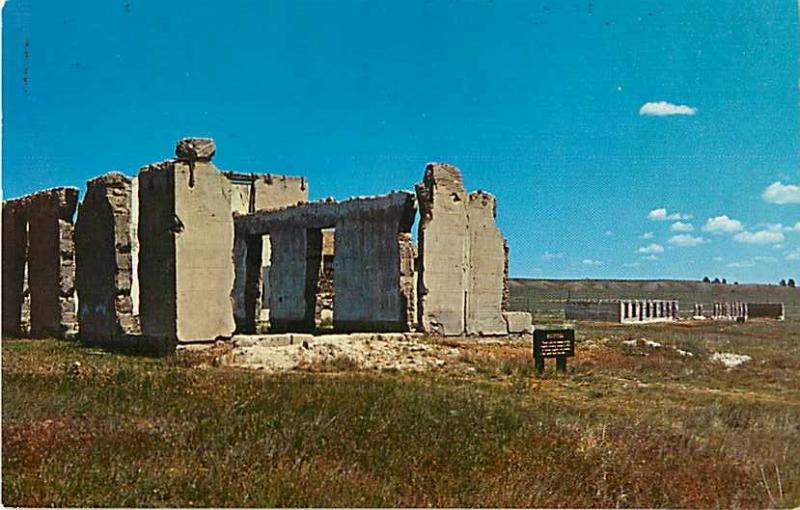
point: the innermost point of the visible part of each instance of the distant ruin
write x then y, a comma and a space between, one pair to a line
623, 311
185, 252
740, 311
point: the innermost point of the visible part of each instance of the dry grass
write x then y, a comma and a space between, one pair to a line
628, 426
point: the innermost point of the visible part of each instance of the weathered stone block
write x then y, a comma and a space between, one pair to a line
185, 267
518, 322
195, 149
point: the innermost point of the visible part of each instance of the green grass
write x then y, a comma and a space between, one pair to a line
626, 427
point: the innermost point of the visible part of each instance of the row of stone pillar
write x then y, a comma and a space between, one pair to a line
648, 310
724, 310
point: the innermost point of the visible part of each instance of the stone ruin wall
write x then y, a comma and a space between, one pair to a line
251, 192
775, 311
16, 315
157, 256
104, 249
625, 311
39, 264
370, 256
462, 273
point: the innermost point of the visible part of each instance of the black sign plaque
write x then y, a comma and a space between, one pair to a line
553, 343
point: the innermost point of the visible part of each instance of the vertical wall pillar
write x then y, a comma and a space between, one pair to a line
443, 249
373, 268
486, 269
296, 260
186, 269
103, 256
15, 252
51, 262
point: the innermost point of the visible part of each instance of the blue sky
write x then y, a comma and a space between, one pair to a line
581, 117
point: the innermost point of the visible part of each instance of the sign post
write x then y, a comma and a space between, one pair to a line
553, 343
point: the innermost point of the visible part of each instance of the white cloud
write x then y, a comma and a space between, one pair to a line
661, 214
723, 224
650, 257
686, 240
664, 108
680, 226
651, 248
793, 255
796, 227
759, 237
592, 262
752, 262
647, 235
609, 232
779, 193
742, 263
631, 264
718, 259
552, 256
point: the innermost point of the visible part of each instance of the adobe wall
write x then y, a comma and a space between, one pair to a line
104, 263
15, 251
51, 262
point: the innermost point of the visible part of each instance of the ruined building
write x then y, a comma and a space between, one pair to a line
623, 311
185, 252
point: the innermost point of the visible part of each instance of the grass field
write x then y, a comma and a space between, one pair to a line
629, 425
545, 298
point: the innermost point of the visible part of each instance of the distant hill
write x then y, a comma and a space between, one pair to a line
545, 298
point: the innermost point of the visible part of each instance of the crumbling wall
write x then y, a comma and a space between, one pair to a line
51, 262
326, 289
158, 226
369, 290
264, 192
367, 268
15, 252
204, 268
774, 311
186, 269
104, 263
443, 247
462, 257
296, 259
408, 278
487, 265
603, 311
